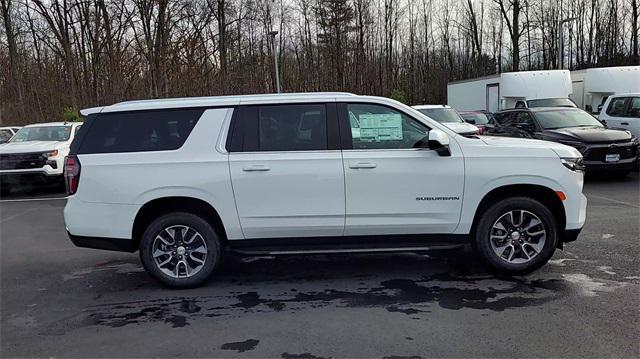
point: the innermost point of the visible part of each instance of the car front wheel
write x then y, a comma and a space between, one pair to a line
516, 235
180, 250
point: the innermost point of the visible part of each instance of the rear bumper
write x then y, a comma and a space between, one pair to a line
110, 244
102, 220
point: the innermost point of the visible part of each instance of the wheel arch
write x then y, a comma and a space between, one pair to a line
164, 205
543, 194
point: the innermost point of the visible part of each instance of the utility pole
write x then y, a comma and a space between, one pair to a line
273, 34
561, 41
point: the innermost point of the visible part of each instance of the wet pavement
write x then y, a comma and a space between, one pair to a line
59, 300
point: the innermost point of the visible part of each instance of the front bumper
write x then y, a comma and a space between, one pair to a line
42, 171
622, 165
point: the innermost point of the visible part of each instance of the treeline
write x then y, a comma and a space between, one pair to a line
57, 54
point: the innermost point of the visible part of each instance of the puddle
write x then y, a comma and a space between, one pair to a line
241, 347
116, 267
454, 286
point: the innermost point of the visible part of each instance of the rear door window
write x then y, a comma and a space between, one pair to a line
139, 131
292, 127
634, 108
617, 107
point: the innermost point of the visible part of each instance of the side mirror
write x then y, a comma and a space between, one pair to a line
439, 142
599, 108
471, 121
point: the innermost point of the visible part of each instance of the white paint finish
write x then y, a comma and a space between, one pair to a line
314, 193
477, 94
521, 161
383, 200
591, 86
577, 94
195, 170
613, 80
631, 124
289, 194
471, 95
100, 219
532, 85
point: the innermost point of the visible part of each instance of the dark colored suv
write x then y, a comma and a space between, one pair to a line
603, 149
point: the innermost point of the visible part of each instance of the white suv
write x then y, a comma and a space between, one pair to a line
186, 180
36, 152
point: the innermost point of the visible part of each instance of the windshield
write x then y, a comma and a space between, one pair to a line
551, 102
478, 118
42, 133
566, 118
442, 115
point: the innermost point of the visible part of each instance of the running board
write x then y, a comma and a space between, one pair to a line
309, 250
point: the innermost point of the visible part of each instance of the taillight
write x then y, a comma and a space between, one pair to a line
72, 173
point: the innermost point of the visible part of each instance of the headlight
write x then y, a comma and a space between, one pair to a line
577, 145
574, 164
50, 154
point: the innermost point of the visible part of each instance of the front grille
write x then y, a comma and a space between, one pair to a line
19, 161
625, 150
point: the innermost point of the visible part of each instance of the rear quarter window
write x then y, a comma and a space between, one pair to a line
139, 131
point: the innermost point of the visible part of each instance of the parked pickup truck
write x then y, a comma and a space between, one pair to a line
186, 180
36, 153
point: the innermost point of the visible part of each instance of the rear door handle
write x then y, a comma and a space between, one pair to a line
363, 165
625, 123
256, 168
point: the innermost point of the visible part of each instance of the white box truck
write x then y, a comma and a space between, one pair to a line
591, 87
510, 90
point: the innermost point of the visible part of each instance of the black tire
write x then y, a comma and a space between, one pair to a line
482, 241
208, 234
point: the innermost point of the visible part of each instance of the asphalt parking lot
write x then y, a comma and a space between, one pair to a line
59, 300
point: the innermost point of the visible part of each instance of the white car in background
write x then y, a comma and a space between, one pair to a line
622, 111
36, 152
449, 117
7, 132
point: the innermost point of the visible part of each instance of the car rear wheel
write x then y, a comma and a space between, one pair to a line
180, 250
516, 235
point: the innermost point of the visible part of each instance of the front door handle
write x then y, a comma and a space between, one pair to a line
256, 168
360, 165
625, 123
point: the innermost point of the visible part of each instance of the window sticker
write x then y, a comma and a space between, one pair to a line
381, 127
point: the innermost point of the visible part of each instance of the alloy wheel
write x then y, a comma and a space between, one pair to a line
179, 251
518, 236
